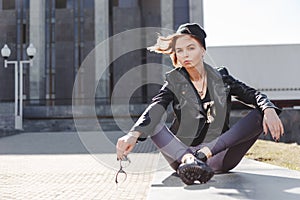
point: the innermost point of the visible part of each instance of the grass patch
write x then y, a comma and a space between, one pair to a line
280, 154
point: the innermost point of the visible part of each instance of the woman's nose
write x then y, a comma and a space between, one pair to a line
185, 53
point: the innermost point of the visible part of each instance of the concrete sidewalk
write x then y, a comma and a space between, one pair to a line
249, 180
58, 165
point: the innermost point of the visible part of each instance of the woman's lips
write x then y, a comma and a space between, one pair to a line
187, 62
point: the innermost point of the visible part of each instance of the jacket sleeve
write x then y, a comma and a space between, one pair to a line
152, 115
246, 94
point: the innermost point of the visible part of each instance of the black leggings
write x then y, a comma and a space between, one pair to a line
227, 150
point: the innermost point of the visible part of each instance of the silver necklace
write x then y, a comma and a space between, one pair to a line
201, 91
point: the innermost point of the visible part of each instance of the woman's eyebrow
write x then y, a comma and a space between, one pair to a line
186, 46
190, 45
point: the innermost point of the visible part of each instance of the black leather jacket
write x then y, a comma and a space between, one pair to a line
191, 122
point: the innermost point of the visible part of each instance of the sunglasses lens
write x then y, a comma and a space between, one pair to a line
121, 177
125, 163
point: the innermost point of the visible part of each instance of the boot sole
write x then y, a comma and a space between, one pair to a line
189, 173
206, 176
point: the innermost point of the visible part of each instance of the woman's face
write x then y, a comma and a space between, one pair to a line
189, 52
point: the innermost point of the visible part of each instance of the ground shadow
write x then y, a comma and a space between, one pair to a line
241, 185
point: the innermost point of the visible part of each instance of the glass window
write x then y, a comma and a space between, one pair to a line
181, 8
70, 4
8, 4
128, 4
88, 4
26, 4
115, 3
59, 4
24, 34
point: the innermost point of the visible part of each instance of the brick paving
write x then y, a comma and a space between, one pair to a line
66, 177
33, 175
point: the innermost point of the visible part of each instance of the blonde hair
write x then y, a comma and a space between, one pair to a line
166, 45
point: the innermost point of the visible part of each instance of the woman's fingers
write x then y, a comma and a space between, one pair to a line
281, 129
273, 123
121, 147
277, 130
119, 150
265, 127
128, 150
125, 145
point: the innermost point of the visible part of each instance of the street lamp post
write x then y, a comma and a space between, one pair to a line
5, 52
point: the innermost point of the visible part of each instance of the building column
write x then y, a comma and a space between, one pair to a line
166, 10
196, 11
102, 54
37, 12
167, 21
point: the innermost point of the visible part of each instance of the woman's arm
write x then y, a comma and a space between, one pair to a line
152, 116
249, 95
246, 94
146, 123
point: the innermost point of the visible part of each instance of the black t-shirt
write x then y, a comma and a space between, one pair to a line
206, 104
206, 101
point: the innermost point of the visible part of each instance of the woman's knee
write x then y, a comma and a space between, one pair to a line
258, 116
255, 120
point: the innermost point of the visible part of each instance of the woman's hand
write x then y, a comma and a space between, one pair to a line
272, 123
125, 144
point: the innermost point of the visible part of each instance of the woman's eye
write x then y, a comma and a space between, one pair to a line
178, 51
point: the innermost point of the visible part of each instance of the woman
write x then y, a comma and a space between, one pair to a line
201, 99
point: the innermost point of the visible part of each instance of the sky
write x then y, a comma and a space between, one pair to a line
251, 22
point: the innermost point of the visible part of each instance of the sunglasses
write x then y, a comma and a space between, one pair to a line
121, 174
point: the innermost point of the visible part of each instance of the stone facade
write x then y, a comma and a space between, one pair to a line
64, 33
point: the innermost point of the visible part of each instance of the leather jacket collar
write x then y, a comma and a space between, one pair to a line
216, 86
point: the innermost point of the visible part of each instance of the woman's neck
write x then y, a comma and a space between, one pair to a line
196, 73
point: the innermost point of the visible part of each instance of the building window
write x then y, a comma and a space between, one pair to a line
115, 3
128, 4
24, 34
88, 4
60, 4
125, 3
26, 4
8, 4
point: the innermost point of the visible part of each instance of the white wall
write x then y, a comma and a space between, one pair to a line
265, 67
